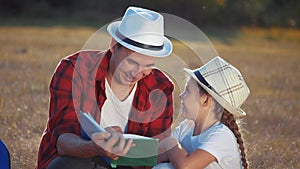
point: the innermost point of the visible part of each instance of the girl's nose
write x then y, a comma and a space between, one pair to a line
180, 95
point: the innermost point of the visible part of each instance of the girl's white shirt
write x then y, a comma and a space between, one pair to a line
218, 140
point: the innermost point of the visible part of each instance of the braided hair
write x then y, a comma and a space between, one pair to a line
229, 120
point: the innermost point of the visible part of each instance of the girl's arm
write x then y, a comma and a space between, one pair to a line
179, 157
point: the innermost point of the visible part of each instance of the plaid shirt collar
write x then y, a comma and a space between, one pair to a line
104, 64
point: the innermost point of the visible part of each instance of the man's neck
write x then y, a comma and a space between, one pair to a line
120, 91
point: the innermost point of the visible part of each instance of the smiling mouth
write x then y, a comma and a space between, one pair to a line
129, 78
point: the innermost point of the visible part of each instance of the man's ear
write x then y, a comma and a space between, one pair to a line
112, 45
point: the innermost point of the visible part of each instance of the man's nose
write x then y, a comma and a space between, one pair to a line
139, 75
134, 72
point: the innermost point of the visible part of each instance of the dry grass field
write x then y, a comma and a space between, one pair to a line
268, 58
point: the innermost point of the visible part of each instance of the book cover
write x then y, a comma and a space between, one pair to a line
89, 124
144, 153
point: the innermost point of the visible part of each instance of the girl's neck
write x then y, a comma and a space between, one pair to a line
200, 127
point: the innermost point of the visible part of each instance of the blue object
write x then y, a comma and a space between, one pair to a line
85, 136
4, 157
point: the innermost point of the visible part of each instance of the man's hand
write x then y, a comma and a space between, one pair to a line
113, 129
112, 145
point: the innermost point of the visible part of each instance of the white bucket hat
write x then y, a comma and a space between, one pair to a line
142, 31
224, 83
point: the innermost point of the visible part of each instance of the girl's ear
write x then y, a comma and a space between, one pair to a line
205, 100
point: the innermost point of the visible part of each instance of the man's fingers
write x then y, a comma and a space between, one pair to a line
100, 136
113, 129
128, 146
121, 143
115, 158
112, 141
119, 148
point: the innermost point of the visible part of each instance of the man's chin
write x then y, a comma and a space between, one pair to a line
129, 83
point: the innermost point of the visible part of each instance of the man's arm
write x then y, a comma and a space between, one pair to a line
71, 144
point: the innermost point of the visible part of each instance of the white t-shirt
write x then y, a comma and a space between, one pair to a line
116, 112
218, 140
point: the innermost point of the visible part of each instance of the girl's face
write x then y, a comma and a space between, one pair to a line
190, 100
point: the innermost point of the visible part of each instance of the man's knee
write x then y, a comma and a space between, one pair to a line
65, 162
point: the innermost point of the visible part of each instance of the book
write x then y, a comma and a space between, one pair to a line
144, 153
89, 124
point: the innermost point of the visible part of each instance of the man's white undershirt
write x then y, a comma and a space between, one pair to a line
114, 111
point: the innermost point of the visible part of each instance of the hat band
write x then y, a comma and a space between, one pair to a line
202, 80
138, 44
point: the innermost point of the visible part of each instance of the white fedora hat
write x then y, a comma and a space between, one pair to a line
224, 83
142, 31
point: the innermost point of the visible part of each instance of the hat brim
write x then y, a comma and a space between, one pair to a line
237, 112
165, 51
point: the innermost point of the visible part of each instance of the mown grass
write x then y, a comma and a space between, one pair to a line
268, 58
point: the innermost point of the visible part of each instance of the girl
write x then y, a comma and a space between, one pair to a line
209, 137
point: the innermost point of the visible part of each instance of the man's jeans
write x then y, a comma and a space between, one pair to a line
65, 162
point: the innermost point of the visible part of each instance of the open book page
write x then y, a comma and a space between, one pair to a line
90, 126
134, 136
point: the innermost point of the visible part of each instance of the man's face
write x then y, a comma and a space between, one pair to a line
129, 66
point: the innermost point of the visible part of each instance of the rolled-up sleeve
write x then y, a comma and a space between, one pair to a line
64, 94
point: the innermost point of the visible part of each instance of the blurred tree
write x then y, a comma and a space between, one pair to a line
281, 13
253, 8
201, 13
11, 7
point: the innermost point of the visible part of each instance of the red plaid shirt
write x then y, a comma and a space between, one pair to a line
79, 84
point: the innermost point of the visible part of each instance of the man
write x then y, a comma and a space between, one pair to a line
119, 87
